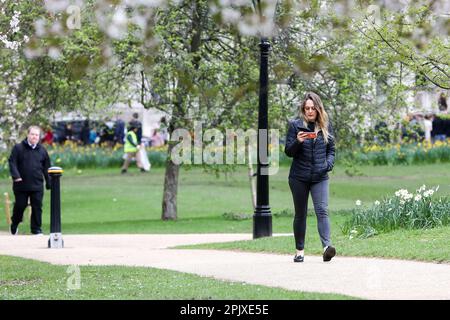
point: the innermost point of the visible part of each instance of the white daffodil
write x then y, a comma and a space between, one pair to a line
428, 193
402, 193
422, 188
408, 196
377, 203
418, 197
358, 202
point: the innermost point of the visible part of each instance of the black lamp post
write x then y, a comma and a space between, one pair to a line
262, 218
55, 240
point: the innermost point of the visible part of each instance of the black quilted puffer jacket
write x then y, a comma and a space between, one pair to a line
313, 159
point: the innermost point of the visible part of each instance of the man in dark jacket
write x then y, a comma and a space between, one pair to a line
28, 166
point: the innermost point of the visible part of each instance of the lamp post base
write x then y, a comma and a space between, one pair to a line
262, 225
56, 240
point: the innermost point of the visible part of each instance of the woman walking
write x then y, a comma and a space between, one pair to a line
310, 143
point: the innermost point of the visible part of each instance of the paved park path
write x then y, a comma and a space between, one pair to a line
368, 278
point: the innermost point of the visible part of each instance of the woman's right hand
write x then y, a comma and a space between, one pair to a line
301, 136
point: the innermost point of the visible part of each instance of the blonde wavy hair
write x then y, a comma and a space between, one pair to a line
322, 119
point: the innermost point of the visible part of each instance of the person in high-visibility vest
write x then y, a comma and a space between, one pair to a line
131, 149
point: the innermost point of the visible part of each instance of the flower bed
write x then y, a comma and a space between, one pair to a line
71, 155
403, 210
404, 154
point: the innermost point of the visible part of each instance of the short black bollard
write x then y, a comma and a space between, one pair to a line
55, 240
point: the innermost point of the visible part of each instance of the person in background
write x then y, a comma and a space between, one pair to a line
138, 125
63, 138
163, 128
439, 129
107, 134
381, 133
131, 149
417, 130
28, 166
93, 136
68, 133
442, 122
442, 103
48, 136
412, 130
405, 134
428, 126
156, 139
85, 133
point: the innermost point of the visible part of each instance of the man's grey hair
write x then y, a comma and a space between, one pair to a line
34, 127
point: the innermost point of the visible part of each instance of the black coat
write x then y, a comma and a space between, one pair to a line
313, 158
85, 133
31, 165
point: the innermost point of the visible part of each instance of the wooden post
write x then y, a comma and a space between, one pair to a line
7, 209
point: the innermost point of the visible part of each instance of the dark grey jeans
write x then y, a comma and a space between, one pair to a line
319, 193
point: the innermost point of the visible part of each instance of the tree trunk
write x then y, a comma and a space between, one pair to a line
169, 203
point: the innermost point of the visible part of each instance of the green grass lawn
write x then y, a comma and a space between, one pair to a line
28, 279
99, 201
104, 201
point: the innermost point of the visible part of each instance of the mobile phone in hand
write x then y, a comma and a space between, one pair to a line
311, 135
